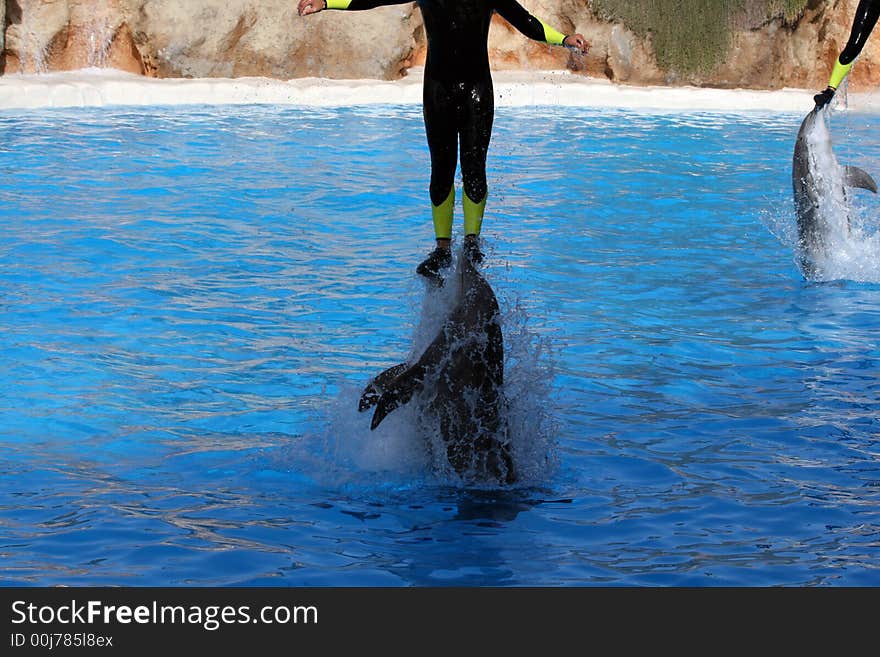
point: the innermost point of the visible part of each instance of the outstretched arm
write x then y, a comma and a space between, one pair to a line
307, 7
534, 28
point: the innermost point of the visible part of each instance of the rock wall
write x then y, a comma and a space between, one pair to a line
49, 35
233, 38
774, 55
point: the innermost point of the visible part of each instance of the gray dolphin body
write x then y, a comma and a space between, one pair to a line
819, 183
457, 383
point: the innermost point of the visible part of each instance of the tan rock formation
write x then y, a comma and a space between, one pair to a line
616, 53
60, 35
771, 55
833, 21
35, 28
231, 38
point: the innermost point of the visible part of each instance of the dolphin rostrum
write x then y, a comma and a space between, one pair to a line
819, 183
457, 383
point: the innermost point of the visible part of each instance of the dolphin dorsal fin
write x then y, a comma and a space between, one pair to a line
855, 177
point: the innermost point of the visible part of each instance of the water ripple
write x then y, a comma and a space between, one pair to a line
192, 299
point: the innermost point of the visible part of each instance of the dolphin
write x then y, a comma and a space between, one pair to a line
819, 183
457, 382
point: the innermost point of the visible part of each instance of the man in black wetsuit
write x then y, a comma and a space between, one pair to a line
459, 104
865, 20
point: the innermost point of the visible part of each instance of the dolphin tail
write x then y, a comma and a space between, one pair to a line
397, 394
855, 177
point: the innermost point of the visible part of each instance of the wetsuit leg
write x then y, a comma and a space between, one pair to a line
866, 18
475, 132
441, 129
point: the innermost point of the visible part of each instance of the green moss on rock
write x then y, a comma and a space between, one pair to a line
692, 36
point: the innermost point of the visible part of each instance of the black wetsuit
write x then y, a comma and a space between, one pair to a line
866, 18
458, 96
459, 103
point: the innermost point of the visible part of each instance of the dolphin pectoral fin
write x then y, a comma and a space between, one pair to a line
855, 177
385, 405
369, 398
396, 396
374, 389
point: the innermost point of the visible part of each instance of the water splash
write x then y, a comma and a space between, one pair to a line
32, 50
529, 371
852, 245
850, 248
100, 38
408, 448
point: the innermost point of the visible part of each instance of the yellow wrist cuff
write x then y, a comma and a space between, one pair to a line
551, 36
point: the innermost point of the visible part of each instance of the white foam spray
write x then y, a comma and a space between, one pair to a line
100, 38
33, 48
851, 246
405, 448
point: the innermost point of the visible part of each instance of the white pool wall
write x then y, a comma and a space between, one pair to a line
103, 87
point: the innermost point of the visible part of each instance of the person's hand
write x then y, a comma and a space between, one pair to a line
307, 7
577, 42
824, 97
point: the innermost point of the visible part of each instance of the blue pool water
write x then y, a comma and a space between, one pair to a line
193, 298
